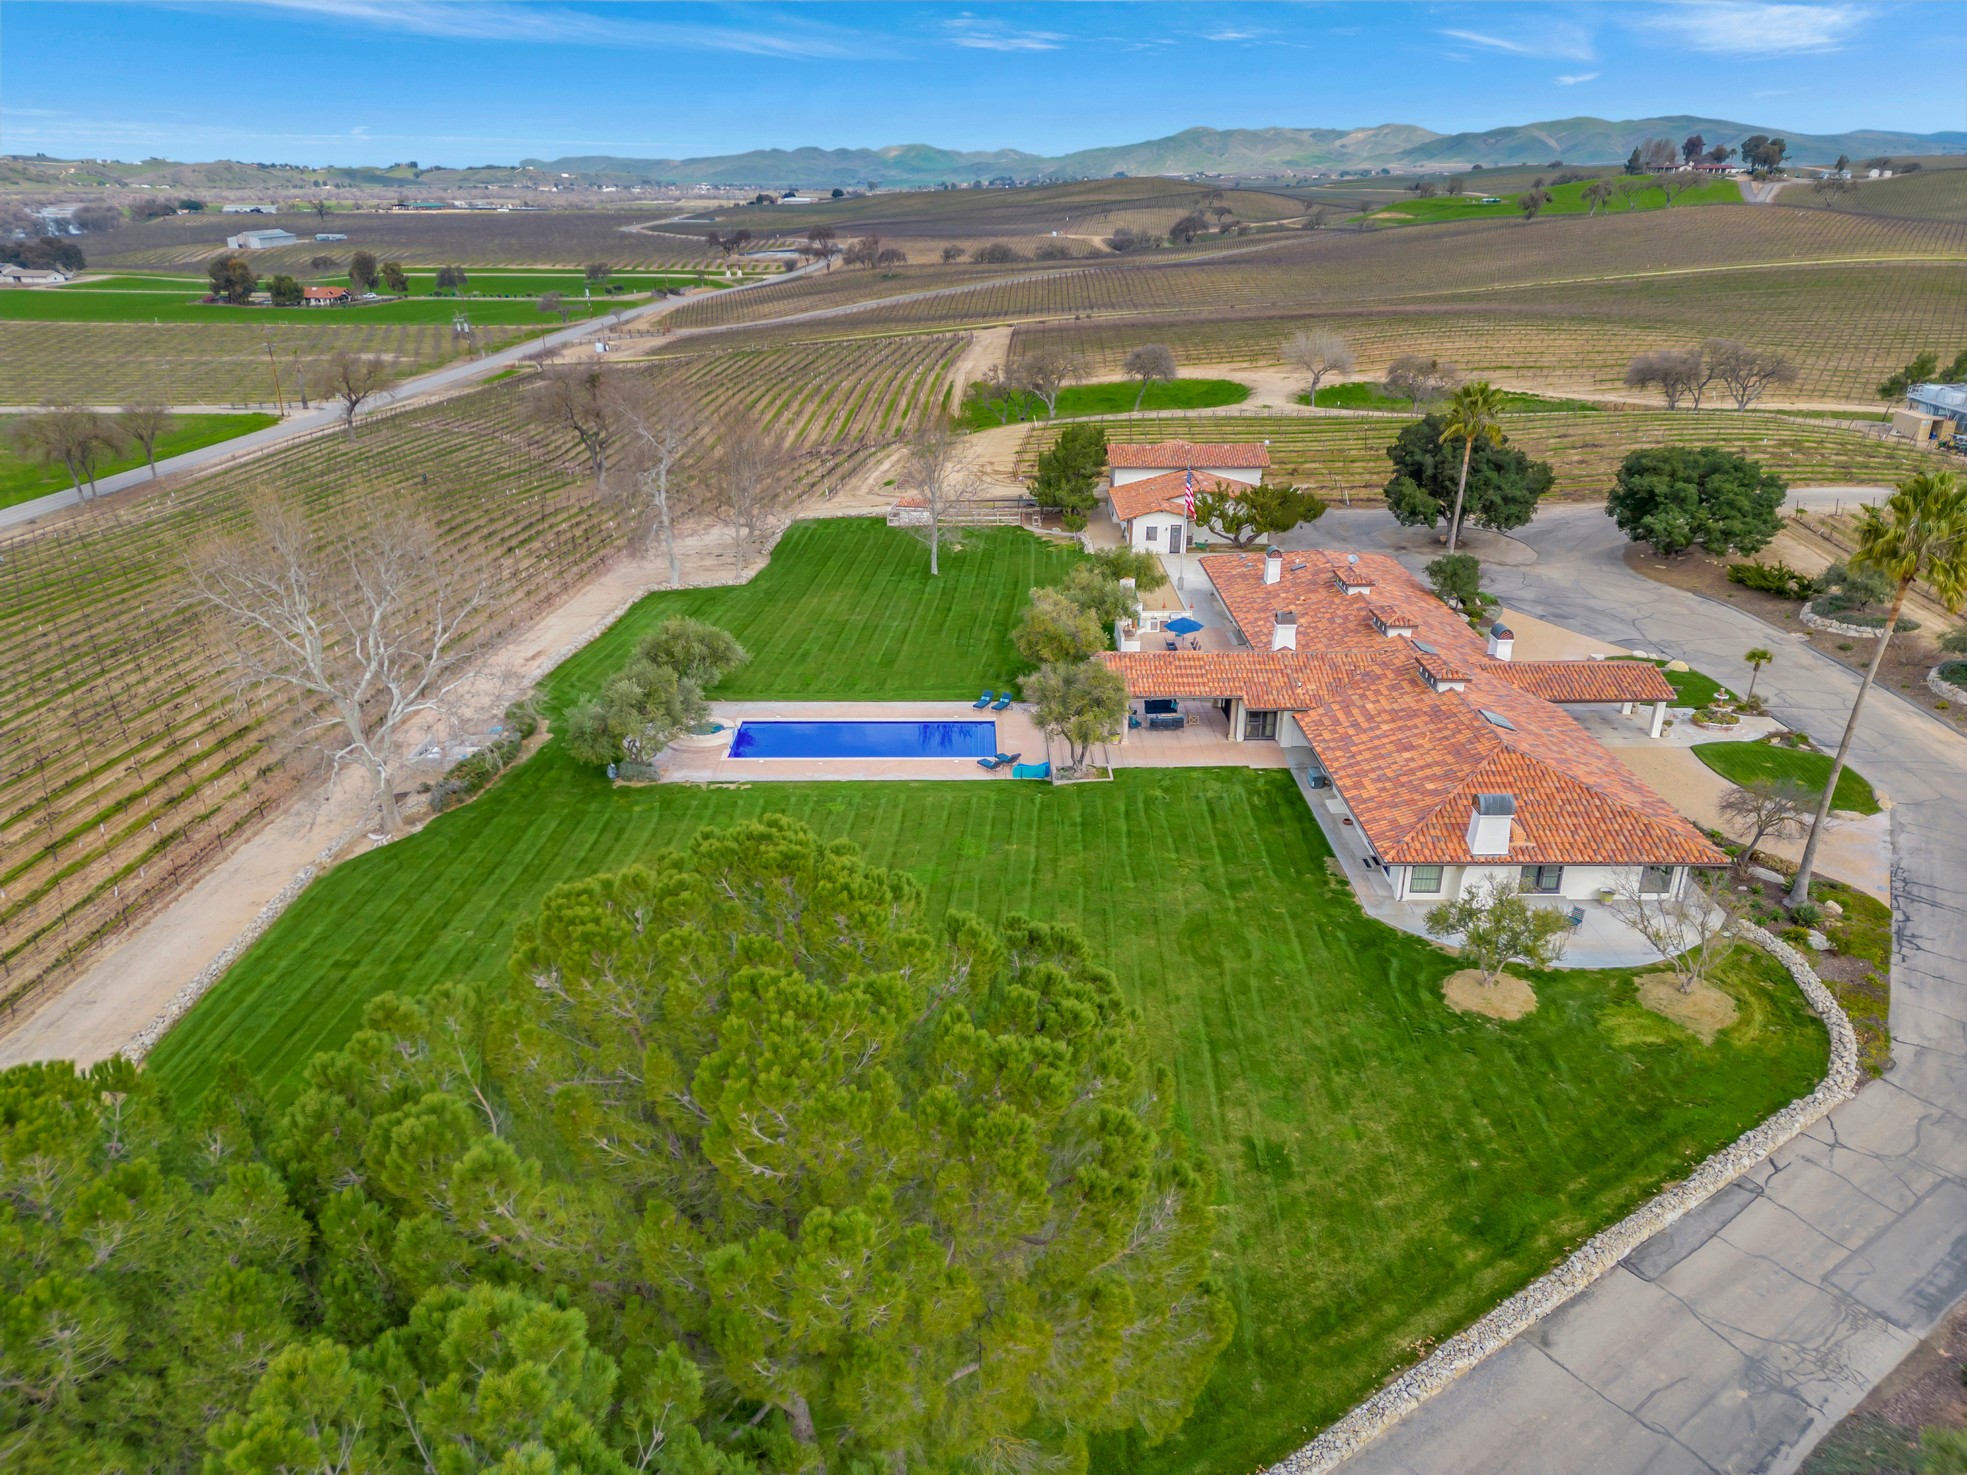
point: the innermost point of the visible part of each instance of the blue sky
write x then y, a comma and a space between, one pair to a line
472, 81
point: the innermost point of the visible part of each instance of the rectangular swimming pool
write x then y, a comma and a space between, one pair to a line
865, 740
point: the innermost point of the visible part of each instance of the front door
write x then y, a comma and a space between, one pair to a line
1175, 538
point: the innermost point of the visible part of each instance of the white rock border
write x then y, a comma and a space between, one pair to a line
1836, 627
1943, 688
1467, 1348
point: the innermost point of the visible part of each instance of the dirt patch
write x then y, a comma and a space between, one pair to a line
1907, 660
1706, 1011
1509, 997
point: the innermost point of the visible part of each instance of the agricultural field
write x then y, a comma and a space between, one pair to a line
489, 238
1568, 299
1122, 398
23, 480
98, 644
1929, 194
1565, 199
1385, 1169
213, 363
1343, 458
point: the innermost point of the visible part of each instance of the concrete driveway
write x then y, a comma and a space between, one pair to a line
1733, 1341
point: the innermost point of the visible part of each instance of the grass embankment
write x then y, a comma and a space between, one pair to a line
1369, 396
1693, 689
22, 480
1566, 199
1118, 399
1747, 763
1387, 1168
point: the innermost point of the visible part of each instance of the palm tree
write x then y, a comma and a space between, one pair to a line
1757, 659
1922, 533
1472, 414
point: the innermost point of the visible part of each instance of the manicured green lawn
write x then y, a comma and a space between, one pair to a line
1690, 688
1366, 396
1745, 763
60, 306
1118, 399
1386, 1169
21, 480
846, 609
1566, 199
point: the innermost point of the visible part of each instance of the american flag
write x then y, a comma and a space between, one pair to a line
1188, 493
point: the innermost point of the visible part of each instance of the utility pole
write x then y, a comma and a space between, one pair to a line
274, 364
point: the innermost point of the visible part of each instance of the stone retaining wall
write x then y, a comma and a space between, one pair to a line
1837, 627
1943, 688
1602, 1251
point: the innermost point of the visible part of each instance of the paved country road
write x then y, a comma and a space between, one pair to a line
1734, 1340
450, 377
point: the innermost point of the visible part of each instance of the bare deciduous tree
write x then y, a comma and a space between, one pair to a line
359, 618
1043, 371
586, 401
1678, 373
1746, 372
1316, 353
145, 423
659, 421
1148, 363
936, 476
1631, 189
1411, 377
351, 378
1689, 927
73, 436
747, 471
1766, 810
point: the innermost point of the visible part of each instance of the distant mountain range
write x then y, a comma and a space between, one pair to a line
1246, 152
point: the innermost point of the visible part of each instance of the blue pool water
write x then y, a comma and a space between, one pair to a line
865, 740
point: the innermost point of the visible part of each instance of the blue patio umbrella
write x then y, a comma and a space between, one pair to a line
1183, 626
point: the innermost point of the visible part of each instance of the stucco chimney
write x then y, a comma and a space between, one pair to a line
1489, 823
1273, 565
1502, 640
1284, 630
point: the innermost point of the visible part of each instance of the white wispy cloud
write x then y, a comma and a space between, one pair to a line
1758, 28
1558, 41
987, 35
771, 33
1230, 34
1574, 78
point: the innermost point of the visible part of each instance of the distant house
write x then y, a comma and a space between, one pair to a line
1936, 410
1148, 487
246, 209
323, 296
261, 240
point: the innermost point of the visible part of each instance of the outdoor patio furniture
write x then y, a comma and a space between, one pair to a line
1577, 918
1160, 704
985, 700
1032, 770
1001, 703
1002, 760
1174, 645
1133, 719
1166, 722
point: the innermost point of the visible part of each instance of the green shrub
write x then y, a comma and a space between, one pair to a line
1772, 578
1806, 913
1848, 611
1716, 717
468, 776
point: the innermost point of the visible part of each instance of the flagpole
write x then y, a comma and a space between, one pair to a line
1188, 527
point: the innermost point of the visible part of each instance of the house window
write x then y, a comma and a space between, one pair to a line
1260, 725
1424, 881
1655, 880
1153, 534
1544, 879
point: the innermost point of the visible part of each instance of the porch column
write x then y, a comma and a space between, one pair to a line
1659, 716
1237, 716
1625, 709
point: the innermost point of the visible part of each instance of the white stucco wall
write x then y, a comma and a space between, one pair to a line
1580, 883
1160, 521
1248, 475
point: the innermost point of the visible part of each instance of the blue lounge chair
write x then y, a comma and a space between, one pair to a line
985, 700
1001, 703
1002, 760
1032, 770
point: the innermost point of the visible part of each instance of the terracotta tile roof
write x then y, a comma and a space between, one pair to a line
1409, 760
1181, 453
1328, 617
1164, 493
1588, 681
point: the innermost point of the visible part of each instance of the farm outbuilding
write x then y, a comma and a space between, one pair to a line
261, 240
